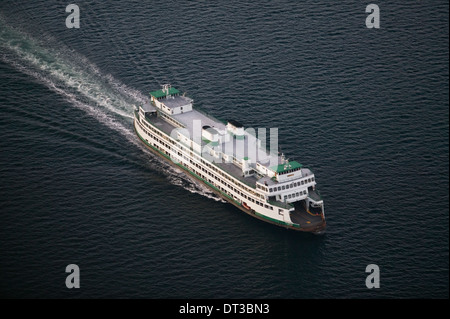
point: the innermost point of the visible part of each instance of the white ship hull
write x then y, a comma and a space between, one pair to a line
234, 190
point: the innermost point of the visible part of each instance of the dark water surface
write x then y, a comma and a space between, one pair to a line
365, 109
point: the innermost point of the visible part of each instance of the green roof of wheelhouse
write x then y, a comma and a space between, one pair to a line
160, 93
286, 168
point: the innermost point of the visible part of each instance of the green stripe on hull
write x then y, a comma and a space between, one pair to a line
276, 220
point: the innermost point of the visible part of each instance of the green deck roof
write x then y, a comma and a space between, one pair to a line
158, 94
281, 168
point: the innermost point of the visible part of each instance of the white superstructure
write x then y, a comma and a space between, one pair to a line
231, 161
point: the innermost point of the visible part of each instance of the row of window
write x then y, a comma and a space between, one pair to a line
302, 182
233, 189
209, 165
227, 191
294, 195
284, 187
215, 176
171, 120
261, 187
289, 171
157, 132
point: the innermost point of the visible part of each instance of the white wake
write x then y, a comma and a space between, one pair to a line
85, 87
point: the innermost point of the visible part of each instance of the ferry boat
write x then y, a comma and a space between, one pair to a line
231, 161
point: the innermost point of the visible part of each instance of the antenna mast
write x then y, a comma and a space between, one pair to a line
166, 89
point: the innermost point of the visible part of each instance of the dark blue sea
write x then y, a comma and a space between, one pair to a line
366, 109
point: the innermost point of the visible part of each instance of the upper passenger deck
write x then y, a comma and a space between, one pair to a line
228, 146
